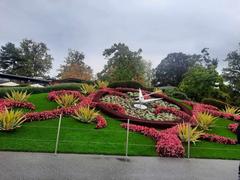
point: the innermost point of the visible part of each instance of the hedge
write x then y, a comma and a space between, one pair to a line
128, 84
36, 90
214, 102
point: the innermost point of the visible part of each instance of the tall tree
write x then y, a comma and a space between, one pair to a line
206, 60
124, 64
172, 68
10, 59
30, 59
74, 67
232, 72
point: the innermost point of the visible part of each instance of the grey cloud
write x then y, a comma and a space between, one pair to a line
157, 26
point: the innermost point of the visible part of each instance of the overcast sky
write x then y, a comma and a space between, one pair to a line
158, 27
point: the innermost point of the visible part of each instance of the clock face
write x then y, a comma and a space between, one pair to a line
144, 111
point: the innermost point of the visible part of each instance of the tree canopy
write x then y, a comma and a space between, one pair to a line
124, 65
199, 82
172, 68
75, 67
30, 59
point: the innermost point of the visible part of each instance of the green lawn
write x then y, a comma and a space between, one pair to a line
76, 137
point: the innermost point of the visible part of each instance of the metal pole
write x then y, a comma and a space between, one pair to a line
58, 133
188, 141
127, 138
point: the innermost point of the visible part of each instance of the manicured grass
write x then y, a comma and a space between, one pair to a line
77, 137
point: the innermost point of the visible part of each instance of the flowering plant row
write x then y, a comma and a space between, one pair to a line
54, 94
184, 116
233, 127
202, 108
9, 103
86, 101
167, 145
218, 139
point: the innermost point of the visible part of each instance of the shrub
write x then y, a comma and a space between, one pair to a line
157, 90
10, 120
205, 120
183, 133
87, 89
232, 110
35, 90
85, 114
17, 96
66, 100
101, 84
176, 94
128, 84
214, 102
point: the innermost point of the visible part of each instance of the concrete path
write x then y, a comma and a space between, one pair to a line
40, 166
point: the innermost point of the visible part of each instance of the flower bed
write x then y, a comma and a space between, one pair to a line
138, 116
9, 103
52, 96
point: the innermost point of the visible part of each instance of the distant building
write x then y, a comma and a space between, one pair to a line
22, 79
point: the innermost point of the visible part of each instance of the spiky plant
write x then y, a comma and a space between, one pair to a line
85, 114
101, 84
205, 120
232, 110
66, 100
10, 119
87, 89
157, 90
17, 96
185, 131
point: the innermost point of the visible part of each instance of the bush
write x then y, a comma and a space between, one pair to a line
17, 96
66, 100
220, 95
101, 84
205, 120
183, 133
36, 90
232, 110
87, 89
10, 120
128, 84
85, 114
176, 94
215, 102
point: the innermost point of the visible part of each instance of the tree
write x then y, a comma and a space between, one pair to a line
172, 68
124, 65
10, 59
30, 59
232, 75
199, 82
207, 60
75, 67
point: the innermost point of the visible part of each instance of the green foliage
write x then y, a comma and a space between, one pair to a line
185, 131
87, 88
172, 68
232, 110
205, 121
199, 82
10, 119
128, 84
124, 65
17, 96
85, 114
232, 72
175, 93
30, 59
101, 84
35, 90
66, 100
214, 102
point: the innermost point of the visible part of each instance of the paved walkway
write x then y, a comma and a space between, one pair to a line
25, 166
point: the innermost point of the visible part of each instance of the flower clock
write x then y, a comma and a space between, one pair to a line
162, 117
